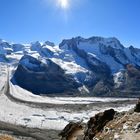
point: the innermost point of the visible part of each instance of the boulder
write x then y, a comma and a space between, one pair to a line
72, 131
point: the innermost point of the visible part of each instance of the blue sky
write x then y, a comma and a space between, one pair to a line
23, 21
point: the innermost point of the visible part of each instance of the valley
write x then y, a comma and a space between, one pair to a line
37, 117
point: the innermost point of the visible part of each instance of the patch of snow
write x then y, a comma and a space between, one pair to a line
69, 67
119, 79
83, 89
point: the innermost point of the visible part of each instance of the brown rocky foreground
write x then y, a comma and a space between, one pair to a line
107, 125
6, 137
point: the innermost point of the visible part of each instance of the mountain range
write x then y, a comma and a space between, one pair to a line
96, 66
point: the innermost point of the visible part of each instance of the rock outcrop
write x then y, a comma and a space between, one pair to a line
128, 81
72, 131
43, 78
137, 107
109, 125
97, 123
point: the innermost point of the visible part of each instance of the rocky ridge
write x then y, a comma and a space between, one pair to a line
107, 125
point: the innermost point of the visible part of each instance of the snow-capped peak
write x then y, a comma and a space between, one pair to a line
74, 55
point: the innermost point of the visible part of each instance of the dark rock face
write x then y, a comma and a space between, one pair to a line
137, 107
99, 68
103, 87
94, 64
3, 58
41, 78
17, 47
131, 80
96, 123
71, 131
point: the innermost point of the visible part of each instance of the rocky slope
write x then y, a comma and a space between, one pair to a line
97, 66
42, 78
107, 125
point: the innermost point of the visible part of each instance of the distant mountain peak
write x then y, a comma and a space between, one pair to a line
93, 63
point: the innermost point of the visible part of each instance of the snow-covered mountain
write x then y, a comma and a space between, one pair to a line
95, 65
